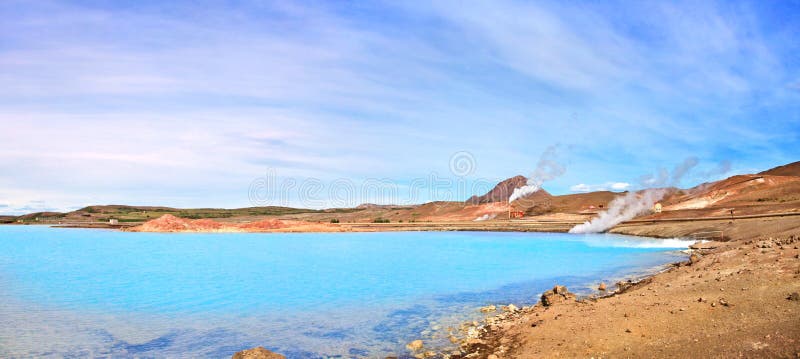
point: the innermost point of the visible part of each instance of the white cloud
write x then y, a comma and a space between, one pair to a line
608, 186
142, 105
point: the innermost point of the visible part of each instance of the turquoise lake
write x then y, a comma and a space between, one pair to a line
100, 293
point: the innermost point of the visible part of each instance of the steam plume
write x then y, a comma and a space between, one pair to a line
620, 210
633, 204
547, 169
485, 217
722, 168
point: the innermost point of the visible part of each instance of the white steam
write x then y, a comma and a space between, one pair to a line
633, 204
547, 169
621, 209
667, 243
485, 217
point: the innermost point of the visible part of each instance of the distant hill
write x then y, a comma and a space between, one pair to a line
500, 192
8, 219
124, 213
381, 206
792, 169
775, 190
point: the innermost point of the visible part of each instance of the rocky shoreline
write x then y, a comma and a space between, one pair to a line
732, 298
737, 298
482, 339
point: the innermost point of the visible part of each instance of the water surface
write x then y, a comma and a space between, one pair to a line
82, 292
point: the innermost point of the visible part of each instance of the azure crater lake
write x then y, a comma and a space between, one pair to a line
86, 292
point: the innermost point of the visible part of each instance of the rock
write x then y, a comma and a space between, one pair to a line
558, 294
415, 345
488, 309
510, 308
602, 287
472, 342
452, 339
257, 353
622, 287
694, 258
794, 296
429, 354
705, 245
492, 356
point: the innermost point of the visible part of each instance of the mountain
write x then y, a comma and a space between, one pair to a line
792, 169
776, 190
500, 192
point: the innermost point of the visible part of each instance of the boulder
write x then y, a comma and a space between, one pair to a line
705, 245
794, 296
488, 309
558, 294
414, 345
257, 353
601, 287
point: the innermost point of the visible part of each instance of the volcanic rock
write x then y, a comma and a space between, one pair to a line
414, 345
488, 309
257, 353
558, 294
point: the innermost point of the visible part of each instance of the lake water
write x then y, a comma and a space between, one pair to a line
94, 293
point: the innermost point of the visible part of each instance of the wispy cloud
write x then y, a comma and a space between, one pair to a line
609, 186
168, 102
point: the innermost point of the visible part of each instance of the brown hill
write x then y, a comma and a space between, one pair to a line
8, 219
583, 202
744, 194
792, 169
500, 192
539, 202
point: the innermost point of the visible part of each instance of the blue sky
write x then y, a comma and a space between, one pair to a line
187, 104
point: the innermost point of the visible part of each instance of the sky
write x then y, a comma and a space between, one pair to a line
336, 103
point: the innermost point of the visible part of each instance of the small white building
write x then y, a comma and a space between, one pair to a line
657, 208
113, 221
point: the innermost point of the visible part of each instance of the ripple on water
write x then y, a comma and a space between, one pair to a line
79, 293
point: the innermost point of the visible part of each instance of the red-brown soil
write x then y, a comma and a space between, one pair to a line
170, 223
733, 299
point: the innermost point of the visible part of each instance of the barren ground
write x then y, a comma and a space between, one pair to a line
732, 302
